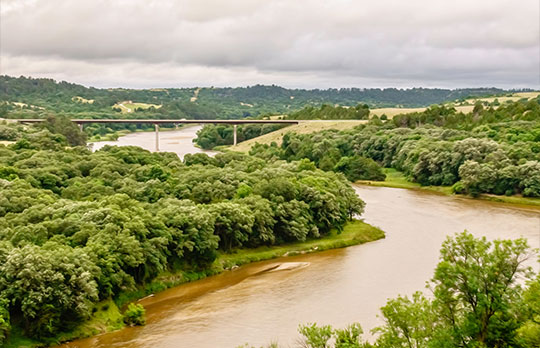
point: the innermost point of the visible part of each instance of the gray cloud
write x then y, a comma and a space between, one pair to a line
142, 43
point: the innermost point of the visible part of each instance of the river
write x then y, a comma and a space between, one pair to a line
249, 305
177, 141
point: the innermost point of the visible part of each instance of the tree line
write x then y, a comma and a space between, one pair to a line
490, 150
211, 135
227, 103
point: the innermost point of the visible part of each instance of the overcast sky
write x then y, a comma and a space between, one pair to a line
292, 43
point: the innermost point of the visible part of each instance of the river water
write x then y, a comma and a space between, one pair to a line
177, 141
252, 305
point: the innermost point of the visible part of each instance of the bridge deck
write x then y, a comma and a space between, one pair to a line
86, 121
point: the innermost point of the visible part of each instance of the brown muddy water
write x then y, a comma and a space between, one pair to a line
254, 305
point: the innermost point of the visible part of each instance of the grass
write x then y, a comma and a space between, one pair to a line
129, 106
391, 112
82, 100
106, 317
397, 179
303, 127
22, 105
354, 232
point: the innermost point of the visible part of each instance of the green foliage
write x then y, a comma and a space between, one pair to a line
529, 333
211, 136
328, 112
52, 286
495, 152
135, 315
327, 150
359, 168
319, 336
211, 102
5, 325
408, 323
475, 286
315, 336
78, 227
63, 125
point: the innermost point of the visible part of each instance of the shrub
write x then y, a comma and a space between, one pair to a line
5, 326
135, 315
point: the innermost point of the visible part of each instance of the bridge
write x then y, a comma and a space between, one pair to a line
156, 123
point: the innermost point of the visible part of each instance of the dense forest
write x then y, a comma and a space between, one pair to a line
476, 300
25, 97
78, 227
490, 150
329, 112
211, 136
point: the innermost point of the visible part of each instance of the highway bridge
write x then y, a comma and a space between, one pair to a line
156, 123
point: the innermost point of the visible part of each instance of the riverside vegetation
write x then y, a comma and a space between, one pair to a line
83, 233
482, 295
489, 150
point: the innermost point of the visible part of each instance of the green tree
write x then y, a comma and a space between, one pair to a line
359, 168
63, 125
53, 287
475, 285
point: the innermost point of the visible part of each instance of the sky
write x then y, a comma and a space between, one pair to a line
291, 43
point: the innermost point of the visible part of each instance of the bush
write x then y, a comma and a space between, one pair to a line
5, 326
359, 168
135, 315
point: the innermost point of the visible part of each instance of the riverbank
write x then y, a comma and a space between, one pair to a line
107, 315
354, 233
397, 179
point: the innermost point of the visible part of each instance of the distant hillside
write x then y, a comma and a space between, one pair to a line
29, 97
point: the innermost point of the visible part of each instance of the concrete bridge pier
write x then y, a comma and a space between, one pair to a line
156, 127
234, 135
81, 127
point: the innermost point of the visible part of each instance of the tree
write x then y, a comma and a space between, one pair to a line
64, 274
529, 332
475, 285
408, 323
359, 168
63, 125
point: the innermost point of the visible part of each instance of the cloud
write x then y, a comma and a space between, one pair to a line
295, 43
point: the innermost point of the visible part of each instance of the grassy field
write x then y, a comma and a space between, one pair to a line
129, 106
391, 112
514, 97
303, 128
82, 100
22, 105
397, 179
